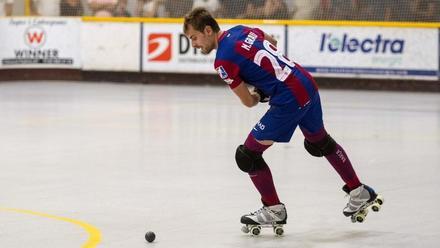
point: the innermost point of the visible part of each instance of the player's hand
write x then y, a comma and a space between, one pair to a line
263, 97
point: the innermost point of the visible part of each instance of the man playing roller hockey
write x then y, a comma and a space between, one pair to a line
249, 56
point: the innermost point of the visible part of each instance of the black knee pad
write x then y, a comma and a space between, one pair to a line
247, 160
321, 148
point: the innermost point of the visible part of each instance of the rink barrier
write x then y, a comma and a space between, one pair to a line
348, 49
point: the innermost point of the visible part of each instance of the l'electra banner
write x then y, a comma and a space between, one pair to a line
366, 52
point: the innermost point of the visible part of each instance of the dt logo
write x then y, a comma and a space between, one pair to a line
159, 47
35, 37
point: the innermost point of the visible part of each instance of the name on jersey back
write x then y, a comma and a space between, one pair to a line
249, 41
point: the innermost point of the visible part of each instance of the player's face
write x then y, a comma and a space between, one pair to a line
203, 41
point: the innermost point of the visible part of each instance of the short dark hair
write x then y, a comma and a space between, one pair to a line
199, 18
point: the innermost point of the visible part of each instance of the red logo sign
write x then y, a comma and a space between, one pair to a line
159, 47
35, 36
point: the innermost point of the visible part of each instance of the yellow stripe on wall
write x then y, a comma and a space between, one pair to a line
271, 22
27, 7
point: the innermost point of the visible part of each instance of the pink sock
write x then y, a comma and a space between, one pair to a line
262, 178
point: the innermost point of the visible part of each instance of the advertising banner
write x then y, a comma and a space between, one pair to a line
40, 42
166, 49
367, 52
107, 46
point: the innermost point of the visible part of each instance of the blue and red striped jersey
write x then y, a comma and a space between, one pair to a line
244, 55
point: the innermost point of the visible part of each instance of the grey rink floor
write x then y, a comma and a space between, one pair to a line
126, 159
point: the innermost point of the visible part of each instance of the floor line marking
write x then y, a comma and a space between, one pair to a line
94, 233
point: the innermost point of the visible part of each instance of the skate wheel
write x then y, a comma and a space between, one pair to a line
353, 219
360, 218
379, 199
375, 207
278, 230
255, 230
245, 229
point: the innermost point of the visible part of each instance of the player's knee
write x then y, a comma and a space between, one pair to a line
247, 160
324, 147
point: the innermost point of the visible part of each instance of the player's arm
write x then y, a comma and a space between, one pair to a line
249, 99
270, 39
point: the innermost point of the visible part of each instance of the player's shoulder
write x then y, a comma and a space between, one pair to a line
231, 37
239, 29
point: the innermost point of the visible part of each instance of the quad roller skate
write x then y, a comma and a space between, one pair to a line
266, 217
361, 200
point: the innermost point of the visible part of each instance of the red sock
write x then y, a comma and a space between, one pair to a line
338, 159
342, 165
262, 178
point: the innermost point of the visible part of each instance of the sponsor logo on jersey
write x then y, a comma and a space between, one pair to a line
259, 125
221, 72
159, 47
348, 44
224, 75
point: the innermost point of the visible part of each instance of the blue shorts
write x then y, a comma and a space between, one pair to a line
279, 122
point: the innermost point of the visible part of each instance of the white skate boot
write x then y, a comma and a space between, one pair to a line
361, 198
268, 216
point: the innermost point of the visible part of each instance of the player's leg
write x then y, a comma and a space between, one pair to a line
250, 160
278, 124
260, 175
319, 143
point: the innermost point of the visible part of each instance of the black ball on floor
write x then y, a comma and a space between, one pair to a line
150, 236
